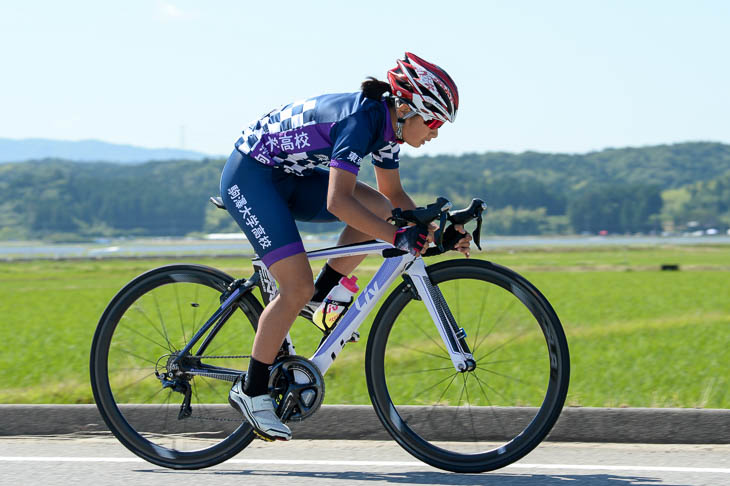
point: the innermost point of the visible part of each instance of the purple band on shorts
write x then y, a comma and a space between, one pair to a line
348, 166
283, 252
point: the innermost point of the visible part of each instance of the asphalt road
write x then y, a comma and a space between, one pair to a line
102, 460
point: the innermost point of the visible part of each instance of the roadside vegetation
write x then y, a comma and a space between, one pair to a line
638, 336
675, 188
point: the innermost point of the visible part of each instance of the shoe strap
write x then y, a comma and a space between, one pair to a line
262, 403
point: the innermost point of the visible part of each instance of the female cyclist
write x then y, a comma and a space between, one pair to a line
273, 179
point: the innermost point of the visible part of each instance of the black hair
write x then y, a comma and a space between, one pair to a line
374, 89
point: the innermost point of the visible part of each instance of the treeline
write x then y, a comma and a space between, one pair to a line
616, 190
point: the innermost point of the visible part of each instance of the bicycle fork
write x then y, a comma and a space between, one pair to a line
453, 336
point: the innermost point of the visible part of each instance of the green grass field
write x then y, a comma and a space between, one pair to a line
638, 336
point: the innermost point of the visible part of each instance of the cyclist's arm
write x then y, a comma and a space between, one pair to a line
342, 203
389, 184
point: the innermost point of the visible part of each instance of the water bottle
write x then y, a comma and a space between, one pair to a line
335, 304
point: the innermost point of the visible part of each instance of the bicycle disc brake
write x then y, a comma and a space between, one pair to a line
298, 388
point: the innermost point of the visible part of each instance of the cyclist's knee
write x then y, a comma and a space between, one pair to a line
296, 292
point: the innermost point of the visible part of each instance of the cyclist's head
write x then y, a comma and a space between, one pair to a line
426, 88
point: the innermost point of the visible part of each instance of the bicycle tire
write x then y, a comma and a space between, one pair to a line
516, 395
121, 378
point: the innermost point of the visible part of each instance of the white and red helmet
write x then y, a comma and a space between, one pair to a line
426, 88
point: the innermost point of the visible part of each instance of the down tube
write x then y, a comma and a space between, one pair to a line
359, 310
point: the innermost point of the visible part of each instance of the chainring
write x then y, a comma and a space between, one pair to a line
297, 387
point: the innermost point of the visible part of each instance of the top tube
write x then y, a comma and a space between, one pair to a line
363, 248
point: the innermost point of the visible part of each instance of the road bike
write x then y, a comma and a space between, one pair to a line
467, 364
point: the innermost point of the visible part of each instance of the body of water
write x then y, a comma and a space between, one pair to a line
175, 247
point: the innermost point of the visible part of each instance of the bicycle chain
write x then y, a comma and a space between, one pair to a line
220, 377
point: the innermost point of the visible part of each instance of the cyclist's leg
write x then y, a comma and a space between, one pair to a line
259, 199
310, 201
256, 196
379, 205
294, 276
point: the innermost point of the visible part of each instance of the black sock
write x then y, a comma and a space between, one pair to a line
326, 281
257, 378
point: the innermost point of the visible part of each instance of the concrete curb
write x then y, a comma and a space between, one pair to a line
576, 424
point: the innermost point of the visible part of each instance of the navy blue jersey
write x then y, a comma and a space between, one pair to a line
335, 130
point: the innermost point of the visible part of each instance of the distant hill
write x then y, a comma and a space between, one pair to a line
627, 190
12, 150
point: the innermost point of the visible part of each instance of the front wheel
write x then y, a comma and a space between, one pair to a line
478, 420
173, 415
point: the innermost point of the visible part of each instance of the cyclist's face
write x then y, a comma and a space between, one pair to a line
416, 132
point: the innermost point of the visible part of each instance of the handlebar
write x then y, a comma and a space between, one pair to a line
441, 210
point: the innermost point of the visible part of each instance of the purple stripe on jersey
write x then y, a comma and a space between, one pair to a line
388, 134
283, 252
294, 141
344, 165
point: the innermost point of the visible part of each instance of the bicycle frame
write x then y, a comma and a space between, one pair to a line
406, 264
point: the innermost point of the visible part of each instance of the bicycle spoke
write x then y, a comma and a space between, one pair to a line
206, 312
163, 408
422, 371
515, 360
481, 315
456, 411
162, 321
195, 310
413, 397
483, 382
143, 336
503, 345
447, 388
119, 348
148, 322
468, 407
146, 368
425, 352
489, 402
138, 308
498, 319
205, 381
179, 313
514, 379
438, 344
136, 382
504, 315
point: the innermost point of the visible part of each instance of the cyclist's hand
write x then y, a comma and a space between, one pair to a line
411, 239
457, 238
432, 228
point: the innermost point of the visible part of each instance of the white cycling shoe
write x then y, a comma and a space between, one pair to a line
260, 412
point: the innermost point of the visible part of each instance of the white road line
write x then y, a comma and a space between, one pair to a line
306, 462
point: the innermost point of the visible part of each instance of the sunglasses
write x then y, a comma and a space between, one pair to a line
433, 124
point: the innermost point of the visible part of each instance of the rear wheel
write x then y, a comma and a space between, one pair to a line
477, 420
175, 416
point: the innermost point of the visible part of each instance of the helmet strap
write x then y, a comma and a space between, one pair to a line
401, 121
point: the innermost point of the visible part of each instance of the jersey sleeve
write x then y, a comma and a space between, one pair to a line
387, 157
351, 140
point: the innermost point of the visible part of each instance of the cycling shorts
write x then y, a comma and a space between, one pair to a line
265, 201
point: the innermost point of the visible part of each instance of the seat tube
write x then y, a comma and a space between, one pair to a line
452, 336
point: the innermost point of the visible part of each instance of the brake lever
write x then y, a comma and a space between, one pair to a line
439, 234
477, 231
479, 207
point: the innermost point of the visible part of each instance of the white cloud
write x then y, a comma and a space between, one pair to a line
170, 11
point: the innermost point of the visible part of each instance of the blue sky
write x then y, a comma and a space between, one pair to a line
562, 76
